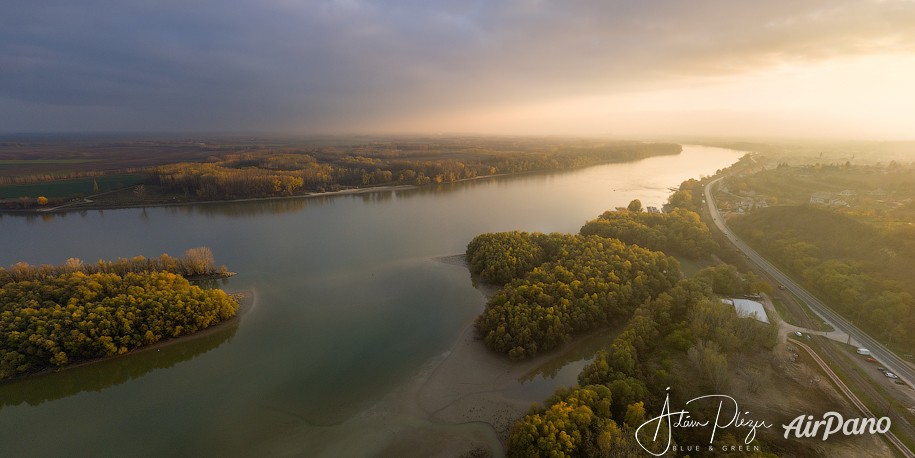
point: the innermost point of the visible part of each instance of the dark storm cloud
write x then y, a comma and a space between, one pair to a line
352, 65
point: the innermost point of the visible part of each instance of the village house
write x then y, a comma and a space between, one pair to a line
821, 198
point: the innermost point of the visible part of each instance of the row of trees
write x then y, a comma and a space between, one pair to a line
679, 231
196, 262
582, 283
266, 173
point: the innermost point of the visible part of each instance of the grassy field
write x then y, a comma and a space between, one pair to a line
690, 267
66, 188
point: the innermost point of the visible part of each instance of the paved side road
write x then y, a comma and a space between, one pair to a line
787, 328
887, 358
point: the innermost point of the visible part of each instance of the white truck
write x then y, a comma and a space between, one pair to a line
864, 351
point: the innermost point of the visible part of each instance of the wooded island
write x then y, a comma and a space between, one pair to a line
51, 316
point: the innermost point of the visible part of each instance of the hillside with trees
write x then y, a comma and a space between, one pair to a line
51, 316
861, 269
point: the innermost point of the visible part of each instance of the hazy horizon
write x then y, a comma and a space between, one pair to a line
665, 70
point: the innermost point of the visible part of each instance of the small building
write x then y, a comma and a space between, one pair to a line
653, 210
848, 193
748, 309
821, 198
877, 193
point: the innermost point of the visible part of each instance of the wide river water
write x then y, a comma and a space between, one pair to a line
350, 303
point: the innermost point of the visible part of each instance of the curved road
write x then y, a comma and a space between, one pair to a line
889, 359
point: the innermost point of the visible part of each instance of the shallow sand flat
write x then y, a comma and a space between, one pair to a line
460, 401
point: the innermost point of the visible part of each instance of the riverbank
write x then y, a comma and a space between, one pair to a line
88, 203
246, 302
79, 206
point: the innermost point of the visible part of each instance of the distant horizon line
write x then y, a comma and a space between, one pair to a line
176, 135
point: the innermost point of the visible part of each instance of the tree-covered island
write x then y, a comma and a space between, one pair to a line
51, 316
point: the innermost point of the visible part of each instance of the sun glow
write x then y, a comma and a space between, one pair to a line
853, 97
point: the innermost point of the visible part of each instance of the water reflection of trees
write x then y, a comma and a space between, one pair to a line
107, 373
211, 282
258, 207
247, 209
582, 350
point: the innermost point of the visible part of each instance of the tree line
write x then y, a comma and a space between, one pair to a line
196, 262
50, 317
267, 173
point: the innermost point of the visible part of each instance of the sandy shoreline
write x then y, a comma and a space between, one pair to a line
464, 398
461, 400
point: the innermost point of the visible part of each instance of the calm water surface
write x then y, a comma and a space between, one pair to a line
350, 303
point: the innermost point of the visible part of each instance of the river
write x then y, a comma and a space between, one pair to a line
350, 304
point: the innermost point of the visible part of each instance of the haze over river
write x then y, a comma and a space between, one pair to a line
350, 305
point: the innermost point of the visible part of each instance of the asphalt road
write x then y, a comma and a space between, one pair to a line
887, 358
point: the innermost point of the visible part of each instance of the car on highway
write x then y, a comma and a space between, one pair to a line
890, 375
882, 369
870, 359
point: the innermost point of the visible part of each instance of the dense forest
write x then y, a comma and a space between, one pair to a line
677, 232
677, 331
684, 337
561, 285
54, 315
861, 269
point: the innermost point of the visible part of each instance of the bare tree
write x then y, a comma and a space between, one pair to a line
199, 261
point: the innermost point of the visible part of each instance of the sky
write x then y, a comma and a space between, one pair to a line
726, 68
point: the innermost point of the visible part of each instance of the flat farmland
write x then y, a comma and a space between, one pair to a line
73, 187
61, 158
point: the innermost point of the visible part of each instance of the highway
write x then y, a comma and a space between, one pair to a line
889, 359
